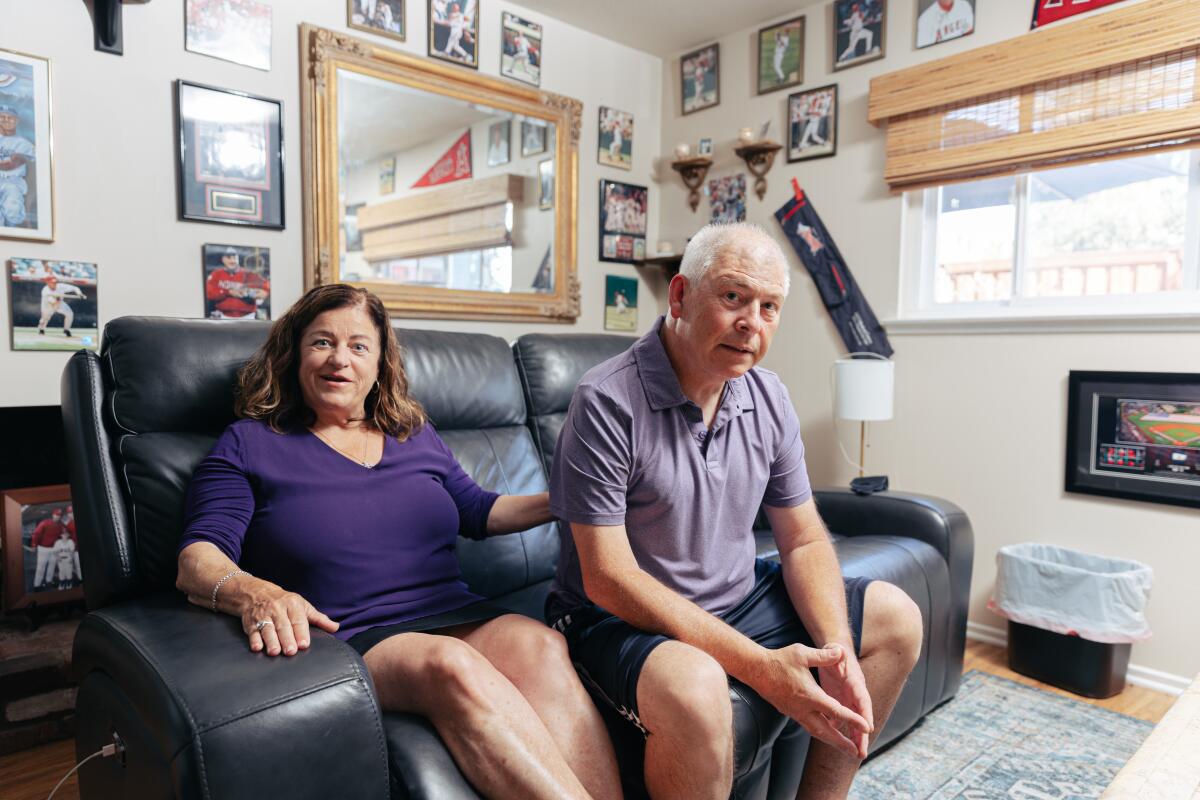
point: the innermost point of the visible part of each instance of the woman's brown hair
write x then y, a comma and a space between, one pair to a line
269, 386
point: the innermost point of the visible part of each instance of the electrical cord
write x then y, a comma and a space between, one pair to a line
107, 751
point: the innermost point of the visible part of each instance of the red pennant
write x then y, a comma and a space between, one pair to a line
1045, 11
454, 165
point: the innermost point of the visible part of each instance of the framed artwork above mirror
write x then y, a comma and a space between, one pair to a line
463, 229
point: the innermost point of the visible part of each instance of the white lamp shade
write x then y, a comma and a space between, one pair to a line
864, 389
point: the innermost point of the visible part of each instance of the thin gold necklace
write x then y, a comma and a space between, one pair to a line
361, 461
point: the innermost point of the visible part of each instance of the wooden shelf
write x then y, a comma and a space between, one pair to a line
668, 263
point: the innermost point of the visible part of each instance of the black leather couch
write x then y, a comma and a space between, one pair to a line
201, 717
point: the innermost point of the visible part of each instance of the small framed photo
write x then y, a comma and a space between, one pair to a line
383, 17
237, 282
623, 210
387, 175
454, 31
727, 198
942, 20
533, 138
520, 49
859, 32
53, 304
546, 184
700, 78
237, 31
616, 138
27, 188
705, 148
499, 134
812, 123
230, 156
781, 55
620, 303
41, 548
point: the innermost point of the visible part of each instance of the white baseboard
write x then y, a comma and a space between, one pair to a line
1146, 677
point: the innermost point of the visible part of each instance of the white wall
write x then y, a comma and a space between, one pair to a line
980, 419
115, 153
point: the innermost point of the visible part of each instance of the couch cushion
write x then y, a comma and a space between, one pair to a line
464, 380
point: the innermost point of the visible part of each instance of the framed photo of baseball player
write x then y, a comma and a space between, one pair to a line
237, 282
454, 31
812, 123
52, 304
41, 556
620, 303
859, 32
533, 138
230, 156
623, 209
26, 171
546, 184
700, 78
499, 136
942, 20
382, 17
520, 49
616, 138
781, 55
232, 30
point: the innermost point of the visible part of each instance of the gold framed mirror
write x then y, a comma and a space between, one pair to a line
449, 194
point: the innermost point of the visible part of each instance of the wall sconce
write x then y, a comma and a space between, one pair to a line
692, 169
759, 156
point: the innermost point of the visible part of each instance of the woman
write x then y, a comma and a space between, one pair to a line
333, 503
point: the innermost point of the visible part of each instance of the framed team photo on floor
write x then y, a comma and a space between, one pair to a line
454, 31
616, 138
40, 545
812, 123
237, 282
520, 49
230, 156
942, 20
52, 304
781, 55
700, 78
859, 32
382, 17
26, 168
623, 208
232, 30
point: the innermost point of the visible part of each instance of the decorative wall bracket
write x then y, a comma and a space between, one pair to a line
692, 170
759, 156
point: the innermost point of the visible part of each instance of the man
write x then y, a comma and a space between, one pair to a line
68, 522
522, 56
64, 555
859, 32
781, 46
664, 458
459, 25
945, 19
54, 301
15, 153
232, 291
45, 535
818, 108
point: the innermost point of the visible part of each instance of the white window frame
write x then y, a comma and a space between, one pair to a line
918, 313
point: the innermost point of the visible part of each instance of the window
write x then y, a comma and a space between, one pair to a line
1107, 238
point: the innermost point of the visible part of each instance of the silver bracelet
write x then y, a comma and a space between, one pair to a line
221, 582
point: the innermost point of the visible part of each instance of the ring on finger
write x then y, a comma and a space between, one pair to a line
262, 623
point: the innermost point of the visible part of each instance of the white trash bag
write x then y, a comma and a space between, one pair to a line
1065, 591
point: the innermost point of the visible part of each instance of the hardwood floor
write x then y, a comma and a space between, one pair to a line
31, 775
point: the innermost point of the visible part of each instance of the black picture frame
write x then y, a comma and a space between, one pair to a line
703, 62
621, 241
802, 102
1112, 452
847, 34
250, 192
441, 40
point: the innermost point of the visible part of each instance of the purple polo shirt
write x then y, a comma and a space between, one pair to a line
635, 451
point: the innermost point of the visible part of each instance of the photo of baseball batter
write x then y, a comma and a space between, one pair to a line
383, 17
616, 138
942, 20
812, 123
53, 304
454, 31
700, 78
233, 30
858, 31
237, 282
781, 55
521, 49
26, 203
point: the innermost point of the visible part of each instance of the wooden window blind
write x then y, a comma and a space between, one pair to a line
1109, 85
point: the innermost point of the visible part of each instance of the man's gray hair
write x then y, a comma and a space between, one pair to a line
711, 241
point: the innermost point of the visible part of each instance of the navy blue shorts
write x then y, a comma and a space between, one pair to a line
609, 653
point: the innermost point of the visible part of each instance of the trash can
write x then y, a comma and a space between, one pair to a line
1072, 616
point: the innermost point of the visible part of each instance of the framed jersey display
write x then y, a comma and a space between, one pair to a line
41, 560
230, 156
53, 305
26, 172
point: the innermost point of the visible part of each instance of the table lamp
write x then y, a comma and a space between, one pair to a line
864, 385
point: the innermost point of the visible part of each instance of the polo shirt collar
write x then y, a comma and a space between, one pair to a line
661, 384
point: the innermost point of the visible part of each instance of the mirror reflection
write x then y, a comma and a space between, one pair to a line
440, 192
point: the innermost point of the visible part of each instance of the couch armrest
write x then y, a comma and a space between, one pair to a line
215, 720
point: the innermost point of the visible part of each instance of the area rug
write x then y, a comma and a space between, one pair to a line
1000, 739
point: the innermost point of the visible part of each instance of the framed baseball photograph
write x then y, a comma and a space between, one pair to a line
616, 138
454, 31
620, 303
41, 549
812, 123
230, 156
533, 138
237, 282
781, 55
727, 198
546, 184
942, 20
382, 17
232, 30
700, 78
26, 169
387, 175
52, 305
705, 148
499, 136
623, 209
520, 49
859, 32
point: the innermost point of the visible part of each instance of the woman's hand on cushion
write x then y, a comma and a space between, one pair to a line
290, 616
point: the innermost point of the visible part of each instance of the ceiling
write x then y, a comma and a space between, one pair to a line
665, 27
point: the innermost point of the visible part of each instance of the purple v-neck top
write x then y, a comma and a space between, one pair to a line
368, 547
